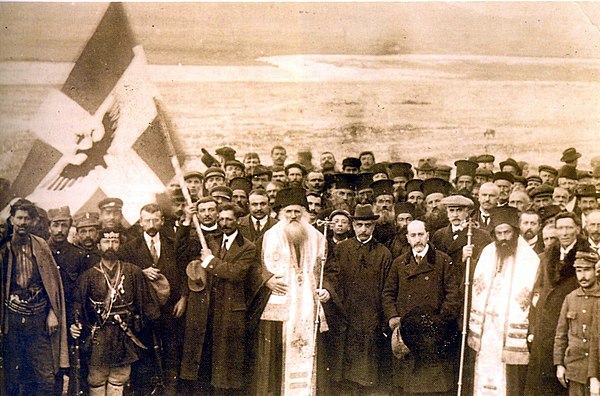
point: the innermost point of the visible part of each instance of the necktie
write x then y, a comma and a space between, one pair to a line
153, 252
257, 225
418, 259
486, 219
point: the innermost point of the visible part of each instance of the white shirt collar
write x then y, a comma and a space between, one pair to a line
263, 221
423, 253
570, 206
155, 238
565, 251
365, 242
205, 228
595, 246
533, 241
228, 239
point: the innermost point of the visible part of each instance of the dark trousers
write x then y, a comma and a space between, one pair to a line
27, 351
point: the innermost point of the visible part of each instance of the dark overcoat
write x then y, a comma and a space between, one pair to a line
357, 275
227, 273
248, 229
551, 288
434, 282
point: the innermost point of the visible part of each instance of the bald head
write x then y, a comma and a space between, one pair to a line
488, 196
417, 235
592, 225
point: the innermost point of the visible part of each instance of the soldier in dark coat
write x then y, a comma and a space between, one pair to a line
423, 277
87, 225
360, 267
556, 279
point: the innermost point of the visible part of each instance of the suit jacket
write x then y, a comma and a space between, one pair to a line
248, 228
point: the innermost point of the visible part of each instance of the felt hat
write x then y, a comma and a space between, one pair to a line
582, 190
196, 276
161, 288
364, 212
513, 163
504, 176
234, 162
569, 155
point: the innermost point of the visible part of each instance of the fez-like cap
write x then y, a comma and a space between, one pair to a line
364, 212
379, 167
569, 155
57, 214
240, 183
454, 201
340, 212
586, 259
542, 191
364, 181
190, 174
425, 166
483, 172
465, 168
582, 190
226, 152
259, 170
208, 160
110, 203
435, 185
548, 212
443, 170
534, 178
291, 196
413, 185
346, 181
486, 158
504, 176
214, 171
548, 168
352, 162
296, 165
87, 219
383, 187
234, 162
404, 207
568, 172
504, 215
513, 163
397, 169
222, 192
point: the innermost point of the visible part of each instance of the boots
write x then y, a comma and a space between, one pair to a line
114, 390
98, 390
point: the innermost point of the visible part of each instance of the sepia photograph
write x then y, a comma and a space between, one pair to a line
300, 198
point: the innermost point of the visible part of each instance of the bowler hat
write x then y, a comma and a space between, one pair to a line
513, 163
504, 215
196, 276
161, 288
364, 212
291, 196
570, 155
504, 176
62, 213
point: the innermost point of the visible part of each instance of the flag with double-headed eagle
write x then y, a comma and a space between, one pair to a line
99, 135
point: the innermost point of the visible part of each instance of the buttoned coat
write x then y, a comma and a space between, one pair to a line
434, 282
248, 229
227, 272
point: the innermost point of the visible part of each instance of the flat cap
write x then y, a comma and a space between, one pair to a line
548, 212
110, 203
504, 176
542, 191
296, 165
222, 192
259, 170
443, 170
457, 201
62, 213
485, 158
483, 172
534, 178
547, 168
87, 219
340, 212
586, 259
214, 171
197, 174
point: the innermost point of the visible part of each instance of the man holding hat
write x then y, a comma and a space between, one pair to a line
290, 251
360, 266
87, 225
423, 277
501, 295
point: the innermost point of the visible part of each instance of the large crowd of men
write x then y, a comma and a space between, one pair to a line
365, 278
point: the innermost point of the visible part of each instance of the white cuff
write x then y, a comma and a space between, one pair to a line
206, 261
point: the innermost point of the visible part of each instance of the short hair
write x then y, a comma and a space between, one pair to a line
25, 205
277, 168
568, 215
202, 200
151, 208
314, 194
278, 148
531, 212
237, 212
366, 153
259, 191
251, 155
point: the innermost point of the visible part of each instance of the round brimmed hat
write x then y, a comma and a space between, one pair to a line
582, 190
568, 172
428, 335
110, 203
383, 187
87, 219
399, 348
504, 176
549, 211
161, 288
352, 162
425, 166
512, 162
364, 212
504, 215
570, 155
586, 259
443, 170
57, 214
291, 196
208, 160
196, 275
454, 201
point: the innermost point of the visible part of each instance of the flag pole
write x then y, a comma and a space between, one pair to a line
165, 126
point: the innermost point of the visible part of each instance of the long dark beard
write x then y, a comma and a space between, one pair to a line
109, 254
385, 216
507, 248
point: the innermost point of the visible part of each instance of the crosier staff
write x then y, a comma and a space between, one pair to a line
465, 322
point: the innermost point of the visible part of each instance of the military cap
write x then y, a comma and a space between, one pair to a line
413, 185
457, 201
534, 178
435, 185
364, 181
214, 171
548, 168
364, 212
110, 203
226, 152
568, 172
586, 259
222, 192
296, 165
582, 190
346, 181
504, 215
352, 162
62, 213
504, 176
87, 219
234, 162
397, 169
425, 166
465, 168
486, 158
208, 160
240, 183
291, 196
259, 170
109, 233
443, 170
340, 212
383, 187
379, 167
190, 174
404, 207
570, 155
541, 191
513, 163
548, 212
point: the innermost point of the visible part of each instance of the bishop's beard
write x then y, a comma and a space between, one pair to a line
296, 233
506, 248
